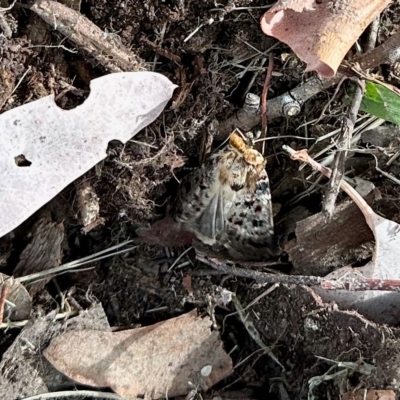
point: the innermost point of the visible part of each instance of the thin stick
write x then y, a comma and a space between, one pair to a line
264, 95
351, 284
77, 393
344, 144
16, 87
251, 329
21, 324
179, 258
102, 46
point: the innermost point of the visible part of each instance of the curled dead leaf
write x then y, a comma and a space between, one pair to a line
320, 32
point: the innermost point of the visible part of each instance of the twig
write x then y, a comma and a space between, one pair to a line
372, 34
389, 176
77, 393
21, 324
388, 52
179, 258
339, 85
341, 154
264, 95
5, 288
160, 51
351, 284
106, 48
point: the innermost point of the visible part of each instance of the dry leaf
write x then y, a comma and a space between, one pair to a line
379, 306
157, 360
61, 145
320, 32
372, 394
20, 303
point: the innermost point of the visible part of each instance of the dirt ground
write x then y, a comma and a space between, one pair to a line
214, 69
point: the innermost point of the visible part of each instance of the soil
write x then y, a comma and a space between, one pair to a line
136, 185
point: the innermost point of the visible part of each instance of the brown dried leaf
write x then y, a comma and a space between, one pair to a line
320, 32
372, 394
156, 360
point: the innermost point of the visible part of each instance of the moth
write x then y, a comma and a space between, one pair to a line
227, 205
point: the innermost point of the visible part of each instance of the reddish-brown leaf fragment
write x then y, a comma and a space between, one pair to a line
320, 32
156, 360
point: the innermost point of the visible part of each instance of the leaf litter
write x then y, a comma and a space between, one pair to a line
127, 285
379, 306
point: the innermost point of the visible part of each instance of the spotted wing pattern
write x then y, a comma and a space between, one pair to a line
227, 203
249, 229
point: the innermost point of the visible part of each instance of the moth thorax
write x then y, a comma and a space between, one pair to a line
237, 142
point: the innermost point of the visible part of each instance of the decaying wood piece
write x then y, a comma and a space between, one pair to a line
105, 48
42, 253
322, 245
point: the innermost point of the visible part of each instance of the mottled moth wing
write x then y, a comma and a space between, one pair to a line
226, 203
203, 203
249, 229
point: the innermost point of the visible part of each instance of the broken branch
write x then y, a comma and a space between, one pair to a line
104, 47
351, 284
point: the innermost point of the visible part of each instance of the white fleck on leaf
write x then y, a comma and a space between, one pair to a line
53, 147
